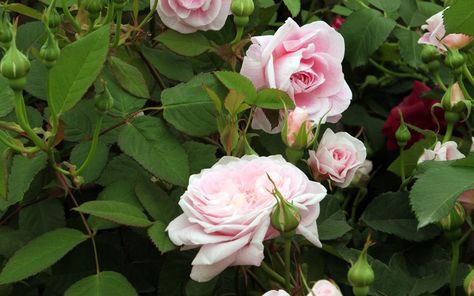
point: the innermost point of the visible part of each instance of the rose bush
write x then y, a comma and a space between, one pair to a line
236, 147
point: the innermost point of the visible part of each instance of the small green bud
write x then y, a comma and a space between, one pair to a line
50, 51
285, 216
52, 18
402, 134
469, 283
104, 101
455, 60
119, 4
434, 66
451, 117
6, 33
429, 53
15, 66
453, 99
242, 7
93, 8
361, 275
241, 21
454, 220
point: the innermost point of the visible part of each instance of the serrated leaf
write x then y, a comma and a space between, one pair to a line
239, 83
188, 107
200, 156
42, 217
332, 220
437, 188
399, 220
386, 5
115, 211
156, 202
76, 69
410, 50
271, 98
459, 17
364, 31
40, 253
129, 77
99, 160
149, 142
12, 240
294, 6
103, 284
169, 64
180, 43
160, 238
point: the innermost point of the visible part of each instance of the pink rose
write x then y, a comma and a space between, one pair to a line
442, 152
227, 211
338, 157
305, 62
467, 201
276, 293
298, 119
188, 16
325, 288
436, 32
261, 122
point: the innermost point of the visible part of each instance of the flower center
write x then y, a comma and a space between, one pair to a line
306, 81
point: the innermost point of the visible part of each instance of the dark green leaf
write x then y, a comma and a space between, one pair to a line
97, 164
42, 217
459, 17
200, 156
103, 284
169, 64
410, 50
180, 43
239, 83
156, 202
271, 98
6, 97
294, 6
11, 240
332, 220
129, 77
386, 5
160, 238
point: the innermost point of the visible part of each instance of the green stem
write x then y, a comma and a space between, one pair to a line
402, 164
449, 132
467, 73
396, 74
354, 206
238, 35
22, 117
69, 16
454, 267
440, 81
4, 139
287, 258
149, 15
110, 14
265, 267
96, 257
54, 117
118, 26
466, 94
95, 140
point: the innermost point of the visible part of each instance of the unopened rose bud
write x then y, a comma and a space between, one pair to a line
429, 53
104, 101
285, 217
434, 66
361, 275
454, 220
6, 34
297, 132
15, 66
119, 4
456, 41
50, 51
402, 134
453, 99
469, 283
52, 18
93, 8
242, 7
455, 61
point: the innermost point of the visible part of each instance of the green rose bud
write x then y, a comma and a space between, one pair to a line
50, 51
361, 275
429, 53
52, 18
119, 4
434, 66
15, 66
104, 101
6, 34
469, 283
453, 99
93, 8
285, 216
402, 134
455, 60
454, 220
242, 7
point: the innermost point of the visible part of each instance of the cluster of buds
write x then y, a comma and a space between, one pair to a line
297, 133
285, 216
453, 222
361, 275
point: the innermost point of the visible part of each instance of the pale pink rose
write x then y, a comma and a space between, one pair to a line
227, 211
276, 293
188, 16
467, 201
436, 32
338, 157
261, 122
442, 152
324, 288
456, 94
296, 119
305, 62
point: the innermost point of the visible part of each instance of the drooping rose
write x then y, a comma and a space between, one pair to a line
227, 211
337, 22
188, 16
325, 288
436, 35
338, 157
305, 62
416, 111
442, 152
297, 120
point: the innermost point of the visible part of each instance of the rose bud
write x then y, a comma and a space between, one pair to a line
429, 53
452, 223
402, 134
50, 51
455, 61
52, 18
15, 66
469, 283
285, 217
6, 34
361, 275
104, 101
297, 132
453, 99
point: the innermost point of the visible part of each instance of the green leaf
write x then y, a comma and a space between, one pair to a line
459, 17
23, 170
364, 31
271, 98
169, 64
414, 13
239, 83
180, 43
99, 160
103, 284
5, 155
194, 288
410, 50
76, 69
42, 217
188, 107
437, 187
155, 201
399, 220
36, 80
115, 211
7, 97
129, 77
294, 6
160, 238
24, 10
11, 240
40, 253
332, 220
200, 156
386, 5
148, 141
29, 35
410, 157
121, 168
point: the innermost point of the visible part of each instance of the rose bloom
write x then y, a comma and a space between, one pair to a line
416, 111
188, 16
338, 157
320, 288
305, 62
227, 211
296, 119
436, 35
442, 152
